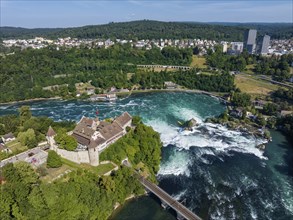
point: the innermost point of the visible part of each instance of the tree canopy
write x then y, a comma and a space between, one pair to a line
83, 196
147, 29
53, 160
65, 141
241, 99
140, 145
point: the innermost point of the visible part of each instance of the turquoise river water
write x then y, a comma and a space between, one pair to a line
215, 172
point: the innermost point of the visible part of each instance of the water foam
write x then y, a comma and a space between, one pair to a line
208, 135
4, 107
185, 113
176, 164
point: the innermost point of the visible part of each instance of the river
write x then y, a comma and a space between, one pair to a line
216, 172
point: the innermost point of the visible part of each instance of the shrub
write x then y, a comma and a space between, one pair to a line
54, 160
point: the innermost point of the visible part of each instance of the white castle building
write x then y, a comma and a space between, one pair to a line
93, 136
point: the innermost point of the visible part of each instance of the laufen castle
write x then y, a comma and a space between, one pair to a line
93, 136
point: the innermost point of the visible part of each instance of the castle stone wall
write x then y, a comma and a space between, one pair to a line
77, 157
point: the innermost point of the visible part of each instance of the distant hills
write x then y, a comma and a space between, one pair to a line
147, 29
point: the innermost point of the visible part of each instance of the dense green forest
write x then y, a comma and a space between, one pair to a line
82, 195
146, 29
276, 66
226, 62
275, 30
284, 94
26, 73
141, 145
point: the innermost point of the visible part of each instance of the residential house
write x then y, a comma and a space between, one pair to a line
8, 137
90, 90
104, 97
258, 104
237, 113
284, 113
170, 85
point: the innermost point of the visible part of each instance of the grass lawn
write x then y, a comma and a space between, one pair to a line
16, 147
251, 85
198, 61
129, 75
103, 168
53, 173
100, 170
249, 69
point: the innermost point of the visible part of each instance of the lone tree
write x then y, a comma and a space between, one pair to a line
54, 160
66, 142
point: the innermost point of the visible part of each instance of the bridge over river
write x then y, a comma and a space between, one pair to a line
182, 211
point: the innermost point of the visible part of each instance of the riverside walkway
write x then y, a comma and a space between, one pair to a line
166, 198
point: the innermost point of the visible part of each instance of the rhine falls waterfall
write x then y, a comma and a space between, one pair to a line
217, 172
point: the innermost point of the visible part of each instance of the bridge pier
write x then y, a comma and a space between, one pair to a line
179, 216
164, 205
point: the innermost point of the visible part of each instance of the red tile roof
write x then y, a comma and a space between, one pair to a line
51, 132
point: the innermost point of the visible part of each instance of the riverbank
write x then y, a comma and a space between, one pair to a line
145, 207
218, 95
30, 100
118, 207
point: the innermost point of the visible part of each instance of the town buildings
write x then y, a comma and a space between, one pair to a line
250, 41
236, 48
277, 47
264, 49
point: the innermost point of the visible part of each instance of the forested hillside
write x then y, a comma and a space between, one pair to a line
275, 30
146, 29
25, 74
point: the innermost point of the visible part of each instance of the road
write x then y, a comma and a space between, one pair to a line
273, 81
266, 78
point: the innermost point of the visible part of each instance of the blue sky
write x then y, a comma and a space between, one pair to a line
55, 13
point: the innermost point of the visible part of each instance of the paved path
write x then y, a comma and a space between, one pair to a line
274, 81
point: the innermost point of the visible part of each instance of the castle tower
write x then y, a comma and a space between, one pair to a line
93, 153
50, 138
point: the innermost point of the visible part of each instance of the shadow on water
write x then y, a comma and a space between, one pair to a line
143, 208
286, 169
284, 144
